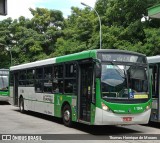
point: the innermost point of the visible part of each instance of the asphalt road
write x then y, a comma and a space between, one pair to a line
14, 122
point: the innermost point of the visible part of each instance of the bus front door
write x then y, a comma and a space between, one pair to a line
15, 89
86, 77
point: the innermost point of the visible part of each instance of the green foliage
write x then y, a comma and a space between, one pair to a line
4, 58
48, 34
151, 45
31, 39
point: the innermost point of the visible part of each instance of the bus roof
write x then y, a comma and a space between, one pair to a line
34, 64
154, 59
70, 57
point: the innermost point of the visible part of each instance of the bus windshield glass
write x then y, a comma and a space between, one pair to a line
3, 82
123, 81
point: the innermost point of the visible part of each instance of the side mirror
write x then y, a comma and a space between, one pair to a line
97, 68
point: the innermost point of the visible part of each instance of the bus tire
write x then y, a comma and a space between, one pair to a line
67, 115
21, 105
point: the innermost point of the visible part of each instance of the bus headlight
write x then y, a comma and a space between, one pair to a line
104, 107
148, 107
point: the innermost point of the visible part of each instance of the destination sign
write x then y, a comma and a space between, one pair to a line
122, 57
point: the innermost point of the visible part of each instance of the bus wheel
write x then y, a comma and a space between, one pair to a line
21, 105
67, 115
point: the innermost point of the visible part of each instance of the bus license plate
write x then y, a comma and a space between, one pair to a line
127, 119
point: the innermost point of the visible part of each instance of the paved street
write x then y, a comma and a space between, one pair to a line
14, 122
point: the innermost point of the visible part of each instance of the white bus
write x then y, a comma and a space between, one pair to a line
95, 87
154, 65
4, 85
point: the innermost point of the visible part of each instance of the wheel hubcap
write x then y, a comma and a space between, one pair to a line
66, 115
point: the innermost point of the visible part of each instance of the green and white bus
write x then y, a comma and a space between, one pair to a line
95, 87
4, 73
154, 65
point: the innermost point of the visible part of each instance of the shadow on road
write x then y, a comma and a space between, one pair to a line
104, 130
94, 130
4, 103
153, 124
42, 116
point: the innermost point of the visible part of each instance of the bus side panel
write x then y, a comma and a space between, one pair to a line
57, 105
98, 111
154, 112
44, 103
74, 108
27, 93
11, 101
93, 109
60, 100
38, 102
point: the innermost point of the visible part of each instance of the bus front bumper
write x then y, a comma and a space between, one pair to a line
108, 118
4, 98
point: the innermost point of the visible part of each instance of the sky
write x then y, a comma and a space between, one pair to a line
17, 8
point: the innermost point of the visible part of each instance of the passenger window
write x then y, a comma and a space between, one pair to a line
30, 77
70, 78
58, 71
58, 79
155, 79
39, 80
48, 79
22, 78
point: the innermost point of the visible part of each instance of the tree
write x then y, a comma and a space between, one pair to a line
48, 34
48, 23
32, 39
122, 28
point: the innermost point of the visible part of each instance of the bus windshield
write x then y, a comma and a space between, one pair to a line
3, 82
124, 81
